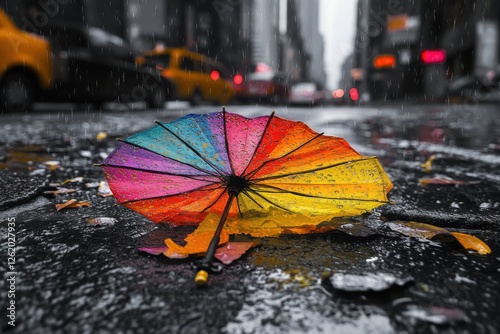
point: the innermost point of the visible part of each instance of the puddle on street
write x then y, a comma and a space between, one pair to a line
404, 135
23, 157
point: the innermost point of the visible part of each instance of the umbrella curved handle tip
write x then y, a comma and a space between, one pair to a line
201, 278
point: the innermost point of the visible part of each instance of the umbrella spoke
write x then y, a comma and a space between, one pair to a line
214, 201
255, 171
193, 177
306, 171
195, 151
173, 195
280, 190
252, 199
178, 161
258, 145
225, 140
267, 200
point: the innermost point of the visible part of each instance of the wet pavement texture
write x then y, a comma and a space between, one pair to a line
74, 277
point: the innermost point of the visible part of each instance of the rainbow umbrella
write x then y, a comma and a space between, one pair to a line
241, 168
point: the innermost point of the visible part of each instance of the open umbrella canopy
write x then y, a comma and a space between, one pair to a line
179, 172
263, 175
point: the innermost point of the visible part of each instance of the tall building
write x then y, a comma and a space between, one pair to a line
265, 33
308, 15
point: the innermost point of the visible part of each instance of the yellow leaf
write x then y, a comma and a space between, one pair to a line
198, 241
427, 166
101, 136
471, 242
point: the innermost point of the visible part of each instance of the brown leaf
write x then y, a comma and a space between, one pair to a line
417, 230
102, 221
71, 204
59, 190
75, 179
440, 181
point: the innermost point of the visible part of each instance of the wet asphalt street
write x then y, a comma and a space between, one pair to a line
69, 276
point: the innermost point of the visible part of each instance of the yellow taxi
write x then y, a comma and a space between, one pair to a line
25, 66
196, 77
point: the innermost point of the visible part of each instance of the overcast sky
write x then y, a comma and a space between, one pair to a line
337, 23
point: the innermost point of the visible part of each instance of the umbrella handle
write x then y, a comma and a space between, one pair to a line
202, 275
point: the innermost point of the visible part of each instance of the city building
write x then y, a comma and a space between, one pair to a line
308, 16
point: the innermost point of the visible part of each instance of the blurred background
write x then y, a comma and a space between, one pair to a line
349, 52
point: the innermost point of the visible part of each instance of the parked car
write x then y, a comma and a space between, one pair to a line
308, 93
25, 67
196, 77
95, 66
264, 87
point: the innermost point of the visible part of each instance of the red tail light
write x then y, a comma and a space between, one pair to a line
384, 61
215, 75
353, 93
433, 56
238, 79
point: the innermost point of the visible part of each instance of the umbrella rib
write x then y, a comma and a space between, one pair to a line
193, 177
260, 141
251, 198
267, 200
309, 170
250, 175
192, 149
225, 140
181, 162
323, 197
215, 201
238, 205
167, 196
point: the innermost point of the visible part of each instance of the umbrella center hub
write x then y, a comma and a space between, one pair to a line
236, 184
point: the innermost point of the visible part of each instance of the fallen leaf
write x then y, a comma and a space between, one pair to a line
435, 315
232, 251
154, 250
52, 165
198, 241
71, 204
427, 166
356, 229
417, 230
92, 185
105, 221
272, 224
472, 243
104, 190
440, 181
101, 136
59, 191
427, 231
75, 179
227, 253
